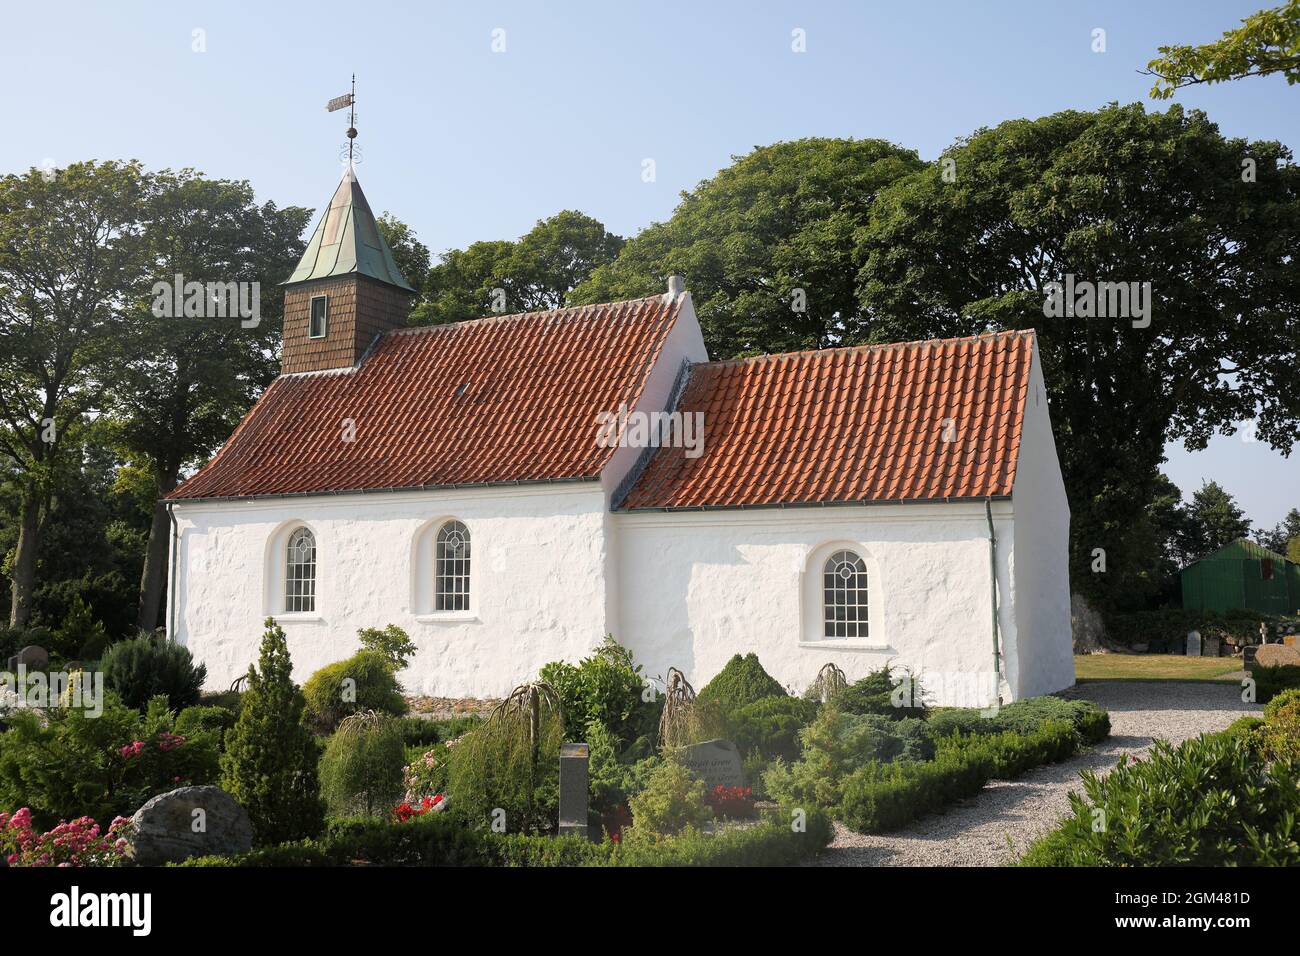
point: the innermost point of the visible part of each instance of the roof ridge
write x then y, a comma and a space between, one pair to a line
576, 310
870, 346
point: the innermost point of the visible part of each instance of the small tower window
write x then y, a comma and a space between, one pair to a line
318, 316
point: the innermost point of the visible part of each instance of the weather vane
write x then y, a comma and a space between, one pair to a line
349, 100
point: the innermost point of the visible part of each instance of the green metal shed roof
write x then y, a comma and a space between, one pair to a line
347, 241
1241, 548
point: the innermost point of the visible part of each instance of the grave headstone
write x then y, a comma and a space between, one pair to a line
186, 822
1194, 644
1248, 656
1210, 647
33, 657
573, 789
716, 762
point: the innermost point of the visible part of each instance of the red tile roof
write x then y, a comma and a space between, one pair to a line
849, 425
496, 400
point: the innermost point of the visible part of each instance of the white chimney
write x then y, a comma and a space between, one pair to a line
676, 286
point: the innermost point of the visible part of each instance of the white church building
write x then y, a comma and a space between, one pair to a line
494, 488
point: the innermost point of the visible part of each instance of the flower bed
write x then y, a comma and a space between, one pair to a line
75, 843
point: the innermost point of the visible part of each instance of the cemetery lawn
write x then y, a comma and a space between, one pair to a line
1155, 667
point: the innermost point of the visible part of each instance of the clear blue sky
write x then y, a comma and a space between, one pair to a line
465, 144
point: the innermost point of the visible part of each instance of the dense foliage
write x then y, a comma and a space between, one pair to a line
1210, 801
606, 687
68, 762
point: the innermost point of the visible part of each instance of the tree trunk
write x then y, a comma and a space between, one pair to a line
23, 575
153, 578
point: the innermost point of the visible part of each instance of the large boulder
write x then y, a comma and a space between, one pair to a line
186, 822
1277, 655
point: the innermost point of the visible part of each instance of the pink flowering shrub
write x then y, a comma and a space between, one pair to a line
78, 843
65, 764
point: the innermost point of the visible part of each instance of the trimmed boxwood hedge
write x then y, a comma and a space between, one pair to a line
436, 840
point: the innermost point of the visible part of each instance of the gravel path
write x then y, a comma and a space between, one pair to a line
996, 825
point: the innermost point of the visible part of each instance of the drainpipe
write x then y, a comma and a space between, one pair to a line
993, 599
171, 585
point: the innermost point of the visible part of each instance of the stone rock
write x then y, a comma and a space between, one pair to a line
716, 762
33, 657
165, 827
1086, 626
1139, 648
1277, 655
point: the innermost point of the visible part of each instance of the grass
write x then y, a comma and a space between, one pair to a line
1154, 667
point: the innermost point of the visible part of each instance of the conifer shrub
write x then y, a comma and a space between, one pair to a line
147, 665
201, 719
270, 761
896, 696
361, 768
771, 726
80, 636
742, 681
365, 681
835, 745
672, 800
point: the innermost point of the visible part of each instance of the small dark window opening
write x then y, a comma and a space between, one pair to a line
1266, 569
318, 310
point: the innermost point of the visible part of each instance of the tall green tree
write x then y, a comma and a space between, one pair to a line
270, 760
410, 254
1266, 43
72, 257
180, 383
766, 246
1213, 520
1114, 195
1283, 533
536, 273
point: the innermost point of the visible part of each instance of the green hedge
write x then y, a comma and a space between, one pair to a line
1271, 681
879, 797
971, 749
1010, 754
437, 840
1211, 801
1090, 722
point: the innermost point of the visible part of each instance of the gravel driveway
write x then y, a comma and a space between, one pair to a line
996, 825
